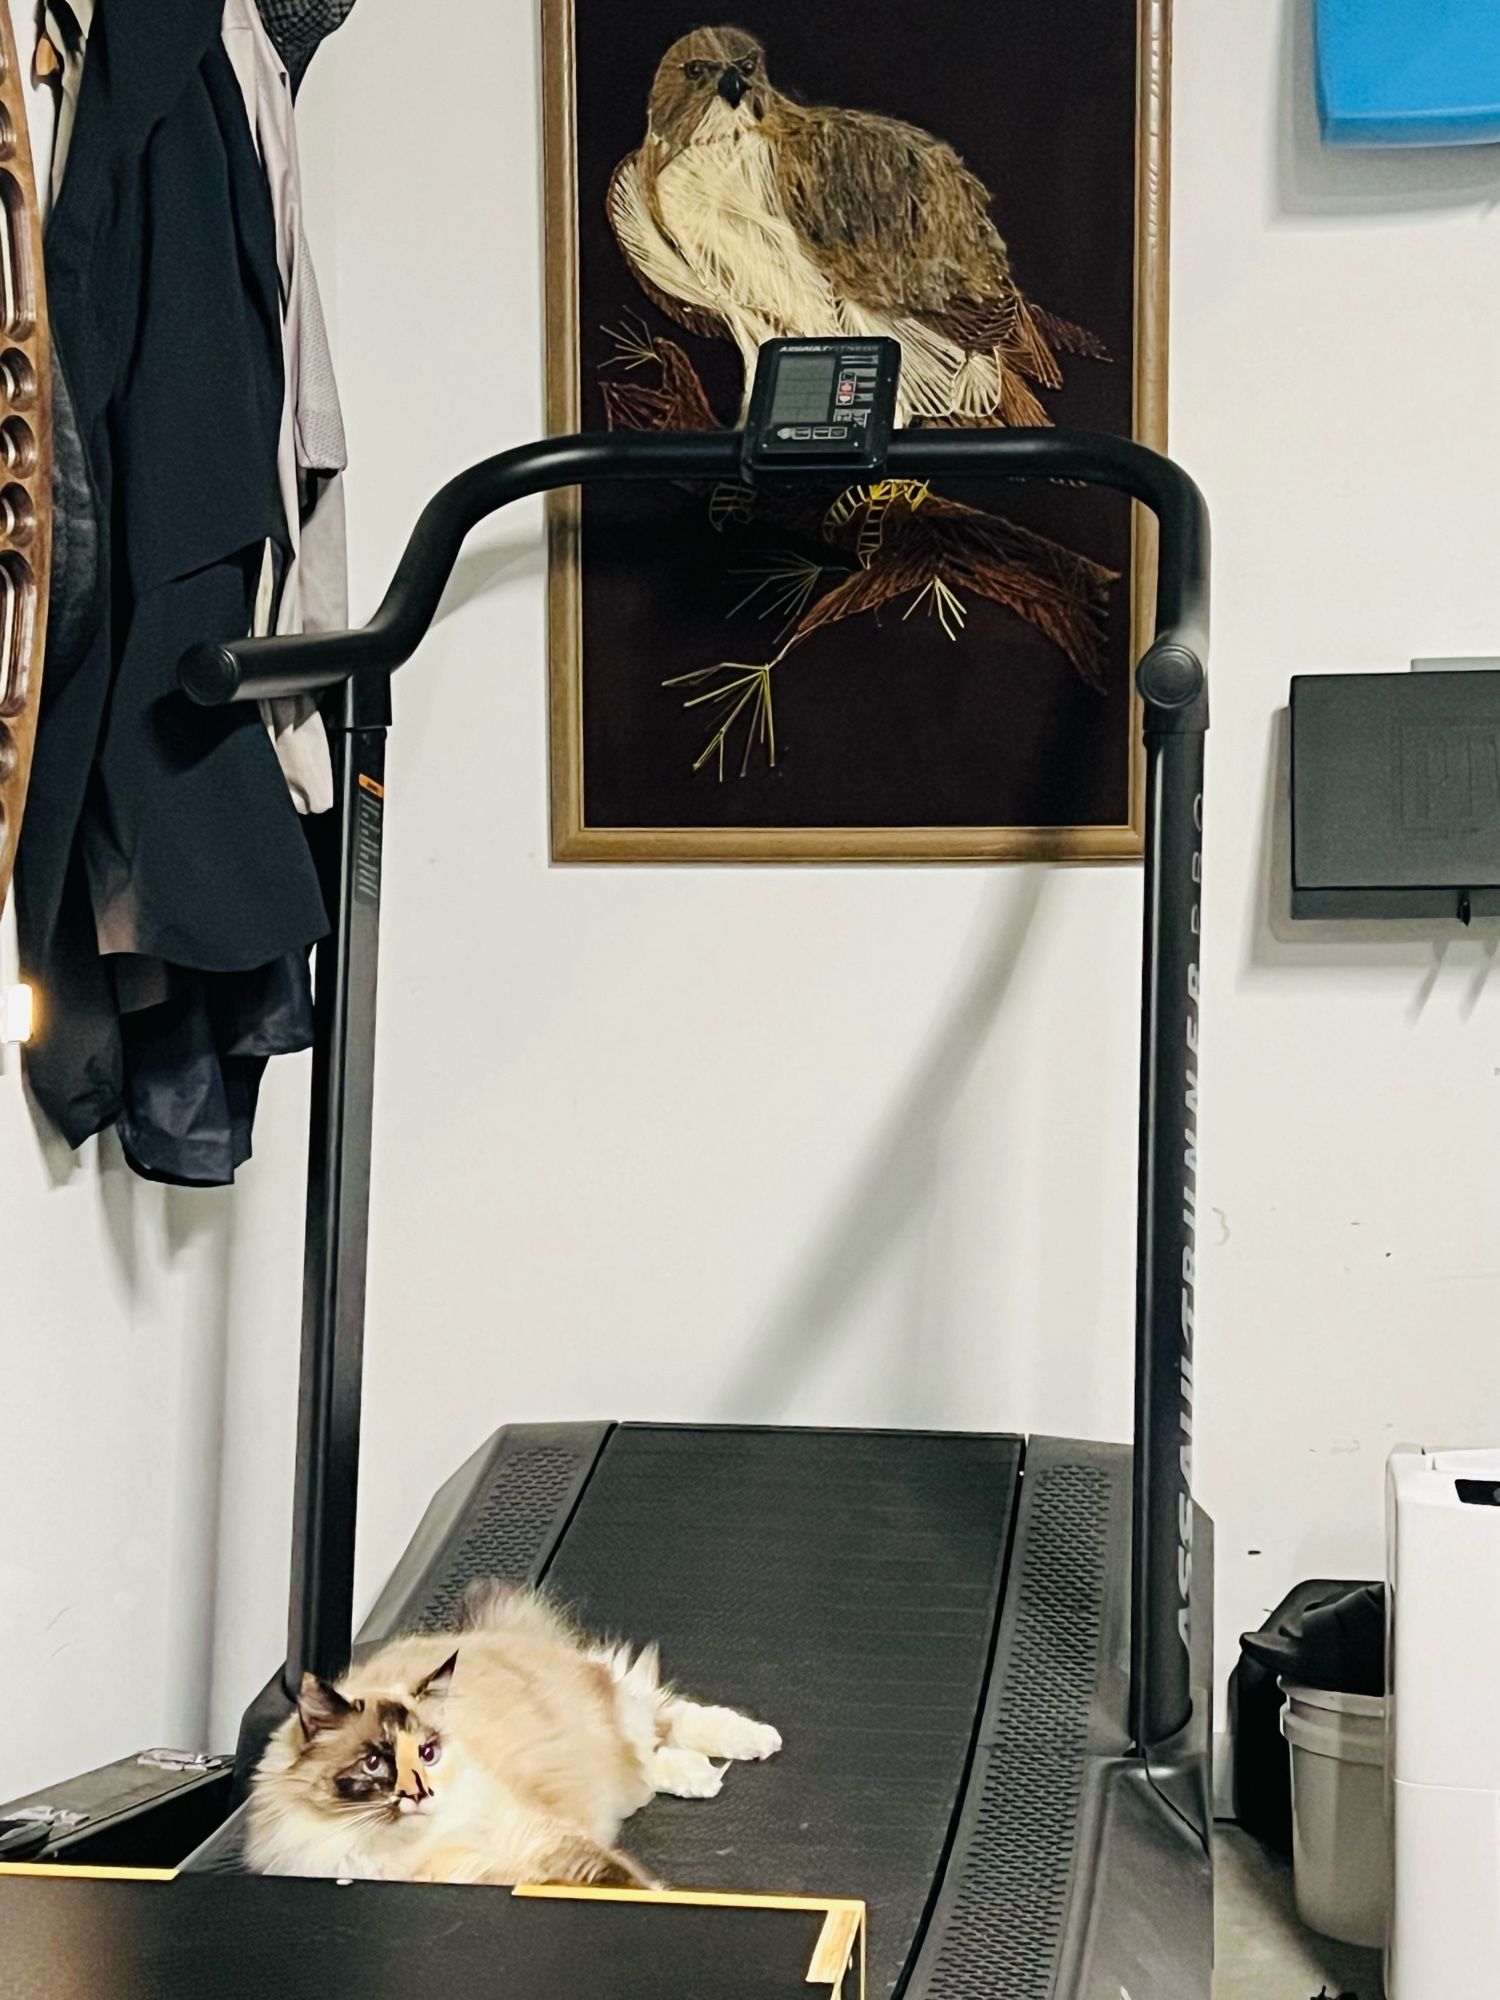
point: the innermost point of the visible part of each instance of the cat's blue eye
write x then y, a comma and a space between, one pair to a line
430, 1751
374, 1763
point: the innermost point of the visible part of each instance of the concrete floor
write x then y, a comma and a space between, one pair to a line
1261, 1951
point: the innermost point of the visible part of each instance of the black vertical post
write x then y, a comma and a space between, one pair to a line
321, 1612
1176, 714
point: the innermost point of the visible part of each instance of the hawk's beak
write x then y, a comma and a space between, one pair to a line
732, 87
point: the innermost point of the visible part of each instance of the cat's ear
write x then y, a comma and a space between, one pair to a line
437, 1681
321, 1706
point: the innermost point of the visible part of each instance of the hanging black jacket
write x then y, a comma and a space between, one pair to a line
157, 831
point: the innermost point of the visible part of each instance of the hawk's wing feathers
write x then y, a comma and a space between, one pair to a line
632, 222
901, 225
893, 216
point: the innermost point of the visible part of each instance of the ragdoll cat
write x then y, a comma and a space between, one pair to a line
509, 1751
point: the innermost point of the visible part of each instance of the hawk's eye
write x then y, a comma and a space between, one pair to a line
695, 71
746, 66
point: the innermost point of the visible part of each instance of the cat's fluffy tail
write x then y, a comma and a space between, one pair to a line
490, 1605
485, 1602
638, 1673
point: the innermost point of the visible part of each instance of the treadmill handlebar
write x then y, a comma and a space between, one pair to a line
1171, 675
1172, 686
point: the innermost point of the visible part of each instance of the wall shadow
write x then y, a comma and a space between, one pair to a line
1315, 179
1278, 941
889, 1192
522, 553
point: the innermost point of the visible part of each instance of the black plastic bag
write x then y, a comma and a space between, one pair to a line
1323, 1634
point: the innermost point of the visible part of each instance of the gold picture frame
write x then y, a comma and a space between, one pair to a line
573, 839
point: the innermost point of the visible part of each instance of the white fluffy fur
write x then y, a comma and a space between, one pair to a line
730, 249
549, 1742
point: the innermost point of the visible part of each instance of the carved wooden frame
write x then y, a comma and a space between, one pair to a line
25, 454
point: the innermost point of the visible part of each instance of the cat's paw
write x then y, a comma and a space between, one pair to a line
686, 1774
746, 1742
719, 1732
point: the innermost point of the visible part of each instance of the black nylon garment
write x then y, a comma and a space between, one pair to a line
156, 830
194, 1058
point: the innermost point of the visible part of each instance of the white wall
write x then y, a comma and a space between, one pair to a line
1336, 388
113, 1303
856, 1145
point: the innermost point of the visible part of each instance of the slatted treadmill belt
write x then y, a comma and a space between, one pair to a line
842, 1585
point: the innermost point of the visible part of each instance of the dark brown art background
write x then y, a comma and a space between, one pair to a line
879, 722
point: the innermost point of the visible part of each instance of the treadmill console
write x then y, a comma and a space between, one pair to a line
821, 406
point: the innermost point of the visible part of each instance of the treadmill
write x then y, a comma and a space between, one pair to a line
988, 1655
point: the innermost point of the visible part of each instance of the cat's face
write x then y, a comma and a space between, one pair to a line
378, 1759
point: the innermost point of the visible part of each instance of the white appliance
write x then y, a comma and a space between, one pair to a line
1443, 1569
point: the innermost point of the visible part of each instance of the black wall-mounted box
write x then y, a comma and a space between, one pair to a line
1396, 795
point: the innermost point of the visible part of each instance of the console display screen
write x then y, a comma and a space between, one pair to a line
804, 389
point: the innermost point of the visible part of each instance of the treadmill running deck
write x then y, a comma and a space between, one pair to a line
842, 1586
953, 1746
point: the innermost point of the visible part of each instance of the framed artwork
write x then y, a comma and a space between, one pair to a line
897, 670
